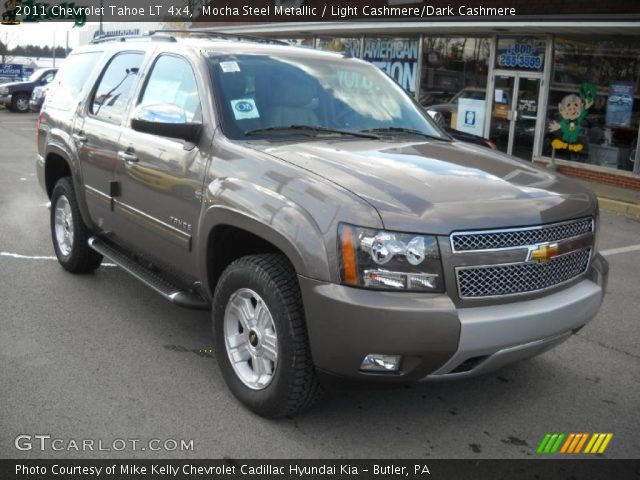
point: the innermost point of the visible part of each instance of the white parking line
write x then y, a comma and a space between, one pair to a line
38, 257
614, 251
29, 257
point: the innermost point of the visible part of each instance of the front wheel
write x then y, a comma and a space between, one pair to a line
68, 231
20, 103
261, 337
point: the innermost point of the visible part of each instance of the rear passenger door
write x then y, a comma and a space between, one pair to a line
161, 177
97, 132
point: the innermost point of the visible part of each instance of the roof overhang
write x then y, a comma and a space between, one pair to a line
630, 26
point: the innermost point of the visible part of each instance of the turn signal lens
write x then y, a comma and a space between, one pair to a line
348, 251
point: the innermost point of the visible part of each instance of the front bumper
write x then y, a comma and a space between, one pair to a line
436, 339
35, 105
5, 100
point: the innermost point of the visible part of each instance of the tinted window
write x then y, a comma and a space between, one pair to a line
71, 79
172, 81
116, 86
47, 78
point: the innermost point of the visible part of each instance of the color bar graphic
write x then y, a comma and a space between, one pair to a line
574, 443
551, 442
598, 442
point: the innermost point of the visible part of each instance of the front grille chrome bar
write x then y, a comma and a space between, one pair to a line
553, 254
514, 238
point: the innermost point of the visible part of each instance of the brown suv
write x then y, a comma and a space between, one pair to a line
304, 197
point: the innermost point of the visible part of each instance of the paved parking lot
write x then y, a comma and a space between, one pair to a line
102, 357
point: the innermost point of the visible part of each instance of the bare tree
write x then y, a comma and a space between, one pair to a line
6, 41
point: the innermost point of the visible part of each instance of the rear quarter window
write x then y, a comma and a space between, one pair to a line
72, 80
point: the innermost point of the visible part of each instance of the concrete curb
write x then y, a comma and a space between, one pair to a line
631, 210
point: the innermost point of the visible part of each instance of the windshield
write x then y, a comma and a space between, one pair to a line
258, 94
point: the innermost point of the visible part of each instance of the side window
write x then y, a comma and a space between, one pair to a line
71, 79
47, 78
116, 86
172, 81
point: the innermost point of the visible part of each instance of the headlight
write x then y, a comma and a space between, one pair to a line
5, 90
389, 260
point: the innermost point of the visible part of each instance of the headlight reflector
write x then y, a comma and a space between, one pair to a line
389, 260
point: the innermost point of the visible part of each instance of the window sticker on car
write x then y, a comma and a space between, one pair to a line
229, 67
244, 108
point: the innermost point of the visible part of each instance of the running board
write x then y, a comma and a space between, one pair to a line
161, 285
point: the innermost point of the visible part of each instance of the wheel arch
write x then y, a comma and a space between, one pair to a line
56, 166
233, 235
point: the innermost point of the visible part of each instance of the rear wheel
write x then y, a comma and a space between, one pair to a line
261, 336
68, 231
20, 103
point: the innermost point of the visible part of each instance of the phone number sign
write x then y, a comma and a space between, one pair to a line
521, 55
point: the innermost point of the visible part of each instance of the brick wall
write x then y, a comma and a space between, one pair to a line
613, 178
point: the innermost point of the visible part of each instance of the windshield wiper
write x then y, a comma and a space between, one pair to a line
310, 128
408, 131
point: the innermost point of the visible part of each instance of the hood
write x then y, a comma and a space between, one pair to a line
439, 187
11, 85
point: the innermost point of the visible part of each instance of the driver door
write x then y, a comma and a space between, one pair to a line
160, 178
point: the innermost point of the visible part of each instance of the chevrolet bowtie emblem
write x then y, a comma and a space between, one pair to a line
543, 253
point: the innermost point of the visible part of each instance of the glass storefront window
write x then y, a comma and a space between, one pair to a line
455, 69
593, 110
340, 44
397, 57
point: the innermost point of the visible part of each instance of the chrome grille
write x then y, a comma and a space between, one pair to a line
519, 237
509, 279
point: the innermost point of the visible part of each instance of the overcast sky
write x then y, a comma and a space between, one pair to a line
42, 33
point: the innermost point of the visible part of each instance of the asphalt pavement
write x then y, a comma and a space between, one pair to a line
101, 358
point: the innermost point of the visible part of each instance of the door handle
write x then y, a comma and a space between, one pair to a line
79, 137
127, 156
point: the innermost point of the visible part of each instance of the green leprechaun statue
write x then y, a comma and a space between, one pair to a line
573, 110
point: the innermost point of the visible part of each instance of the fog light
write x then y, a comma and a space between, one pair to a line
381, 363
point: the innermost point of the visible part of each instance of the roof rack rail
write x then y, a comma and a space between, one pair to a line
125, 38
222, 35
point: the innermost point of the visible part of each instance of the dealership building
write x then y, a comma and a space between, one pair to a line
561, 89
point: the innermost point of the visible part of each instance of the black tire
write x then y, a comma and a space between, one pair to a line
294, 385
20, 103
80, 258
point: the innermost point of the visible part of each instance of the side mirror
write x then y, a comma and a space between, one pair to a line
166, 120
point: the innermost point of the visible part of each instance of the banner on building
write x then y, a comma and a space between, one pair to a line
15, 71
397, 57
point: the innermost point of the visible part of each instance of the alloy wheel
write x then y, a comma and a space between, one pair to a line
251, 339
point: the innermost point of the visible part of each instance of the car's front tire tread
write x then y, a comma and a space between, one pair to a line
302, 389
